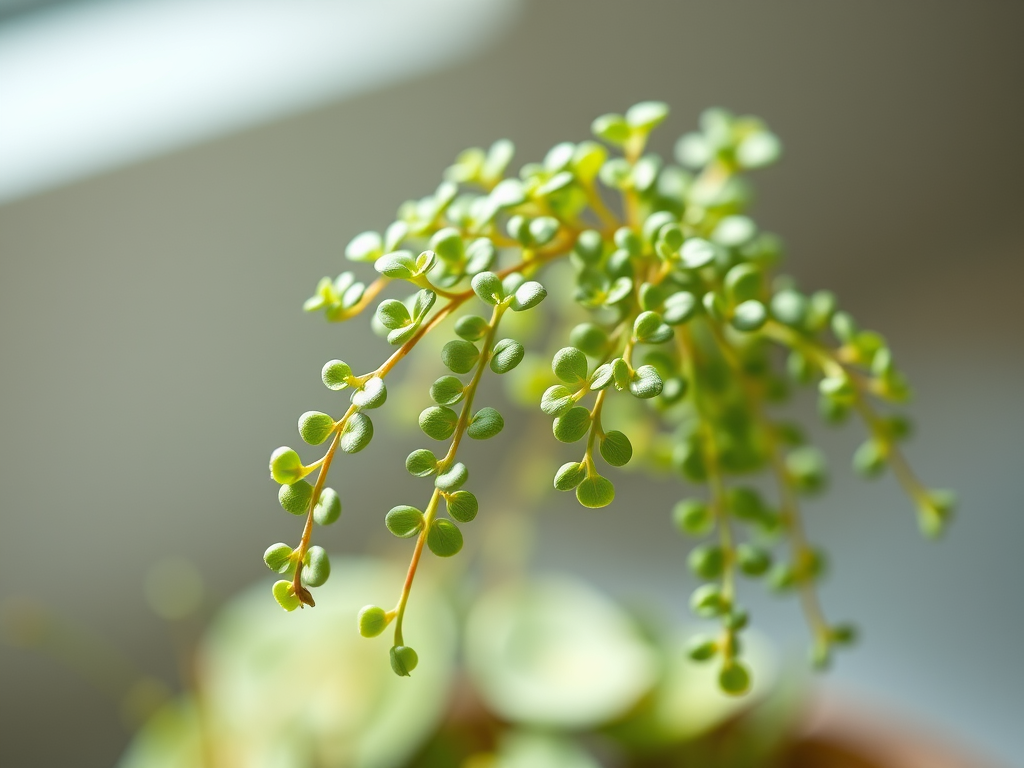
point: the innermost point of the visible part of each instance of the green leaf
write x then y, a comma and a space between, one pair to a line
452, 478
315, 427
702, 648
648, 328
628, 240
372, 621
438, 422
366, 246
471, 327
357, 434
396, 232
462, 506
734, 231
693, 151
486, 423
294, 497
621, 374
595, 492
278, 557
743, 282
393, 314
758, 149
645, 382
372, 394
544, 228
570, 365
447, 390
487, 286
444, 538
806, 467
590, 338
707, 601
507, 354
328, 507
679, 307
448, 245
612, 128
556, 400
749, 316
707, 561
480, 255
527, 296
572, 425
398, 265
587, 160
745, 503
286, 466
645, 173
317, 569
789, 307
838, 388
559, 156
404, 521
508, 193
646, 115
692, 517
421, 463
403, 660
621, 289
602, 377
870, 458
616, 448
734, 678
569, 475
934, 512
498, 157
696, 253
284, 593
589, 246
459, 356
336, 374
753, 560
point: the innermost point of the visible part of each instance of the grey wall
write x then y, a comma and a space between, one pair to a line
153, 352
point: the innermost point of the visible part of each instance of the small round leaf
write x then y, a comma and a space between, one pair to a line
316, 572
444, 538
487, 422
595, 492
570, 365
328, 507
294, 497
315, 427
403, 660
569, 476
616, 448
462, 506
372, 621
421, 463
438, 422
286, 466
335, 374
452, 478
357, 434
448, 390
404, 521
508, 353
459, 356
572, 425
278, 557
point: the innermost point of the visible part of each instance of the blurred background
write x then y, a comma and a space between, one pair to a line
175, 176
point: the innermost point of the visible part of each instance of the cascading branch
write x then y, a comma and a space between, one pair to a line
685, 315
